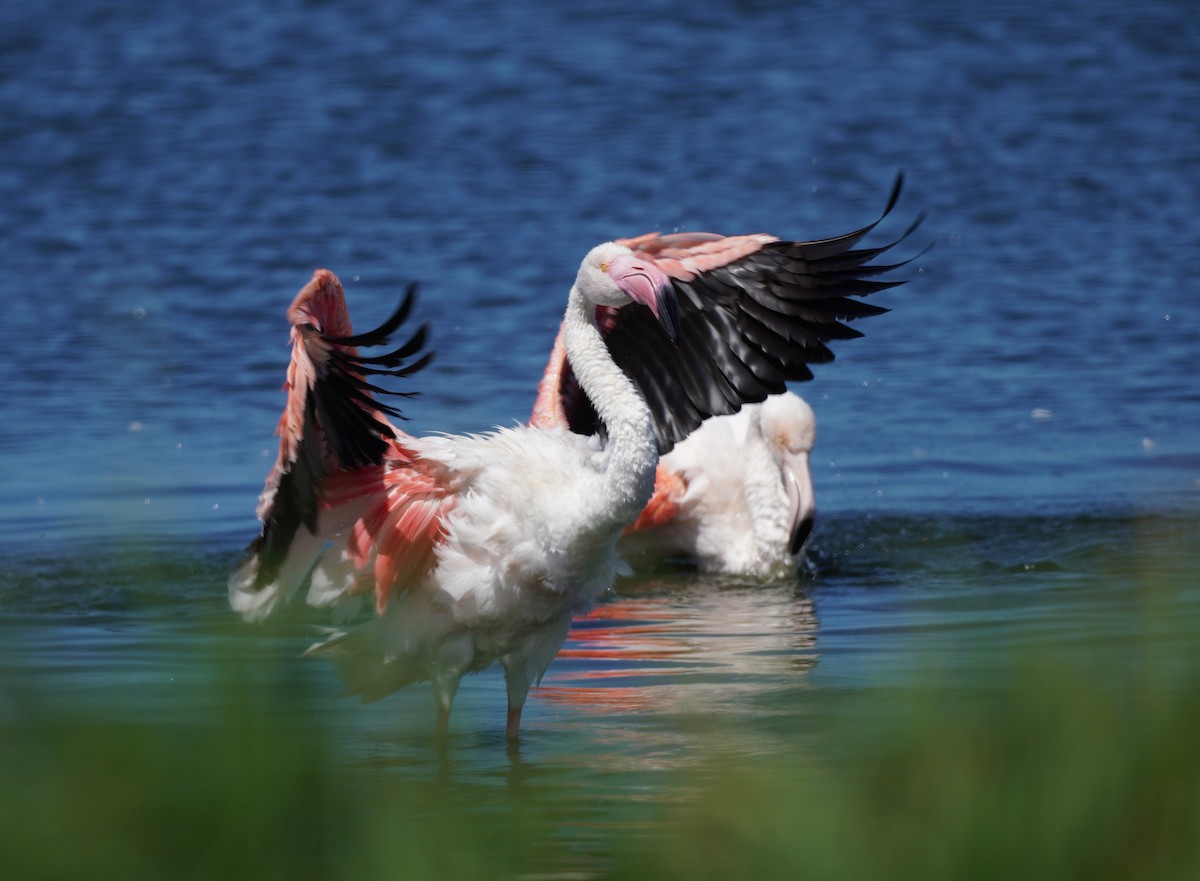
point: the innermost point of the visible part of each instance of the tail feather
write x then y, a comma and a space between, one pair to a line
364, 665
255, 601
323, 559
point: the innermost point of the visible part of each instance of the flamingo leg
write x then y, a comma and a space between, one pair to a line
450, 661
512, 729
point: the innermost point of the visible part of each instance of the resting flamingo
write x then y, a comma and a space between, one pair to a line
735, 497
481, 548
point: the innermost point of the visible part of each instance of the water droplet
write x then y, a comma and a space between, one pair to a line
1148, 443
216, 506
139, 312
135, 426
1041, 414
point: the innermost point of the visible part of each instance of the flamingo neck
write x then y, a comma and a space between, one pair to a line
766, 499
631, 453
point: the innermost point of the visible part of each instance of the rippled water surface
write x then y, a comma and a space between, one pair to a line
1005, 461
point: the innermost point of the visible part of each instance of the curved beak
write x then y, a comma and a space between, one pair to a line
802, 503
645, 283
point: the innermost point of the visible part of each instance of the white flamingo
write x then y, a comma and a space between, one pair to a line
481, 548
736, 496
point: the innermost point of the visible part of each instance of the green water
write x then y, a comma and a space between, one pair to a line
971, 697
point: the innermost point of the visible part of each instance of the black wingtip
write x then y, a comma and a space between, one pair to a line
380, 334
897, 188
347, 404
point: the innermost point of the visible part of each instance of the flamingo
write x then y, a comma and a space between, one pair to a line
481, 548
736, 496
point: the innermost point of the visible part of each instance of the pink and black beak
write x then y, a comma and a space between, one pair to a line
802, 505
645, 283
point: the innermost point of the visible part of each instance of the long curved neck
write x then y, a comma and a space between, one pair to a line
632, 452
766, 497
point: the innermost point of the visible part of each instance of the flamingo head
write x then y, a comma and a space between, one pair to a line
612, 275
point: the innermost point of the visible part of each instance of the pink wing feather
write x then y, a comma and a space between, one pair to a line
394, 542
683, 255
548, 408
664, 505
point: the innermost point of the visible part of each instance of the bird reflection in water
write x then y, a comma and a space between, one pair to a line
658, 648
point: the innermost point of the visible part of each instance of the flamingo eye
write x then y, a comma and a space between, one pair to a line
604, 266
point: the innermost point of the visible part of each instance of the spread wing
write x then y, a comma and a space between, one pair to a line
332, 423
754, 313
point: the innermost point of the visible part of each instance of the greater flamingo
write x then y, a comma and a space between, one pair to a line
731, 498
735, 497
481, 548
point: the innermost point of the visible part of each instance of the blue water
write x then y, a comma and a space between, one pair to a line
1024, 422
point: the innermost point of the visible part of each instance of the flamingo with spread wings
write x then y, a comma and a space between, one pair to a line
735, 496
480, 549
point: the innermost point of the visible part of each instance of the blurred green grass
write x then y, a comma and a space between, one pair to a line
1064, 767
1049, 777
